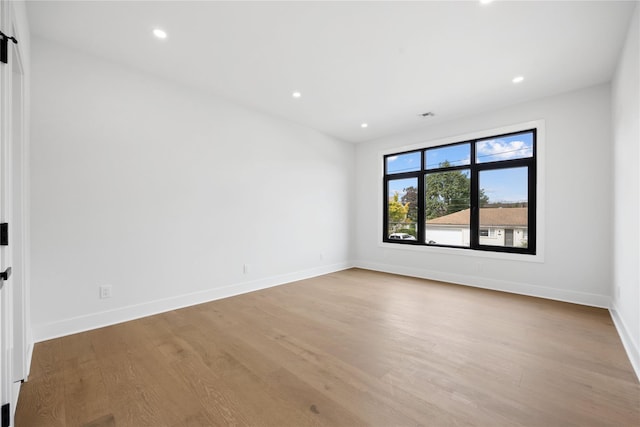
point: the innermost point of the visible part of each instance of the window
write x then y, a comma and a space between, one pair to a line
478, 194
488, 232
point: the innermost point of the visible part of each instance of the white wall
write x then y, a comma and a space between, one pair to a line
164, 193
577, 234
626, 142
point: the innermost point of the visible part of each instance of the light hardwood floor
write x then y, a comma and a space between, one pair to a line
346, 349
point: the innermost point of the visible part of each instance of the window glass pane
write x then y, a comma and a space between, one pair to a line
452, 155
504, 205
403, 209
517, 146
447, 201
409, 162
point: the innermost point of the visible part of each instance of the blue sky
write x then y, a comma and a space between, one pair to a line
399, 184
456, 155
506, 185
409, 162
504, 148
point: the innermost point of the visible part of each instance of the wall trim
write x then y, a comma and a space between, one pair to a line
631, 347
583, 298
29, 358
539, 256
101, 319
111, 317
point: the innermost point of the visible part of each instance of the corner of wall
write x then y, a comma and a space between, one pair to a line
632, 349
625, 137
520, 288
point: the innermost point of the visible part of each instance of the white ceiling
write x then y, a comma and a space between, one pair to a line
382, 63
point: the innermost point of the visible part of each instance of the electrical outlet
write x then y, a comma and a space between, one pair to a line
245, 268
105, 291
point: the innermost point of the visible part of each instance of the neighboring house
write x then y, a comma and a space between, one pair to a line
498, 227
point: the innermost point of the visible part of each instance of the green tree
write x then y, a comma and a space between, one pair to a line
410, 197
484, 199
448, 192
397, 211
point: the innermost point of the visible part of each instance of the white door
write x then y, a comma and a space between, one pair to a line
6, 296
18, 221
13, 293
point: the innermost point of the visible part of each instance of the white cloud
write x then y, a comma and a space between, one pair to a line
497, 149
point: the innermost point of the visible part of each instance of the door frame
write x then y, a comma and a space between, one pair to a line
20, 217
15, 341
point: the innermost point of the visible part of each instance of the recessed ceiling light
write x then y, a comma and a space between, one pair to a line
296, 94
364, 125
486, 1
161, 34
518, 79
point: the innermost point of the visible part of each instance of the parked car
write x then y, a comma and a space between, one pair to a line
401, 236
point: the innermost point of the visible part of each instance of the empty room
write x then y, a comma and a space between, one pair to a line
329, 213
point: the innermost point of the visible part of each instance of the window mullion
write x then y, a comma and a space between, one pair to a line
421, 209
531, 217
385, 214
474, 233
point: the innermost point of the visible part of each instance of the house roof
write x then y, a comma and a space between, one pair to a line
488, 217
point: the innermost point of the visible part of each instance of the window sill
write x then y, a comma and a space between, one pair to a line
538, 258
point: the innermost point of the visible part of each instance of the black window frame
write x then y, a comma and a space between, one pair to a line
475, 168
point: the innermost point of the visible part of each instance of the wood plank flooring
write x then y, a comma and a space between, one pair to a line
351, 348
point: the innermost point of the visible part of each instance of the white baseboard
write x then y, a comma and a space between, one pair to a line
583, 298
97, 320
29, 357
575, 297
111, 317
15, 395
631, 347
